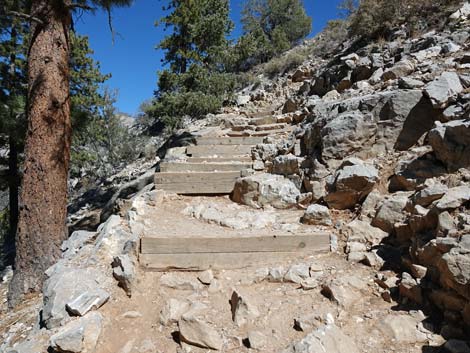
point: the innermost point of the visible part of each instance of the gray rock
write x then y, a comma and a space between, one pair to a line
400, 69
79, 336
256, 340
328, 338
345, 134
414, 169
391, 212
172, 311
243, 310
454, 198
409, 83
445, 223
363, 232
206, 277
454, 268
195, 331
297, 273
401, 328
351, 185
87, 301
286, 165
450, 143
443, 89
65, 286
176, 281
276, 274
262, 190
429, 194
317, 215
124, 272
76, 241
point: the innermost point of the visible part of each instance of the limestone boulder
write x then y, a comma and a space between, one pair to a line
317, 215
261, 190
328, 338
79, 336
443, 89
391, 211
450, 143
400, 69
66, 286
286, 165
351, 185
197, 332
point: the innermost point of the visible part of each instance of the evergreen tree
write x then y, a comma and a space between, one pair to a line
271, 27
43, 211
195, 82
13, 33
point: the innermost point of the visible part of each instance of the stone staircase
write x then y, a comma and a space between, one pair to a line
213, 165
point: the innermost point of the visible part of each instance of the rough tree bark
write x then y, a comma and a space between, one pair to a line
43, 198
13, 187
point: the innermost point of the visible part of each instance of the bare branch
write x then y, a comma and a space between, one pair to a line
26, 16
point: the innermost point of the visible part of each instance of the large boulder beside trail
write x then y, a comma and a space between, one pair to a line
265, 189
451, 143
443, 89
351, 184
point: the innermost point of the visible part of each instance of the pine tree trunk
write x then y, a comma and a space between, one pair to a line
43, 199
13, 187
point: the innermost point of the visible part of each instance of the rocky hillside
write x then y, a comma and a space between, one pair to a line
379, 159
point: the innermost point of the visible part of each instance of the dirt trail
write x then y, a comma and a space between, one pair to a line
134, 324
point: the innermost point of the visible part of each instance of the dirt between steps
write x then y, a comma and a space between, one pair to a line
134, 324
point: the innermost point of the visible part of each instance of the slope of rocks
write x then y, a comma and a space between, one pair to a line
378, 157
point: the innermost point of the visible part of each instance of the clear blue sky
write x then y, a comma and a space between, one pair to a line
133, 60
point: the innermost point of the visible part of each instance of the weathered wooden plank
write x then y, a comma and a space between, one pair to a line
238, 159
168, 167
258, 133
260, 244
267, 120
197, 177
220, 261
228, 140
271, 127
197, 188
218, 150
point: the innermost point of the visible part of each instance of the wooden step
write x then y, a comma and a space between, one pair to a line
267, 120
218, 150
235, 159
169, 167
200, 253
229, 140
243, 127
270, 127
197, 183
259, 133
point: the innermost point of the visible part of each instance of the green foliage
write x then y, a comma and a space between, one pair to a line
105, 143
196, 82
271, 27
333, 35
285, 62
377, 18
13, 40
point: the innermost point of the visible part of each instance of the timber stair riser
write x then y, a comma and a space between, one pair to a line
203, 167
200, 253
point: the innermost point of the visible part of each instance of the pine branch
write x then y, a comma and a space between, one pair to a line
26, 16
